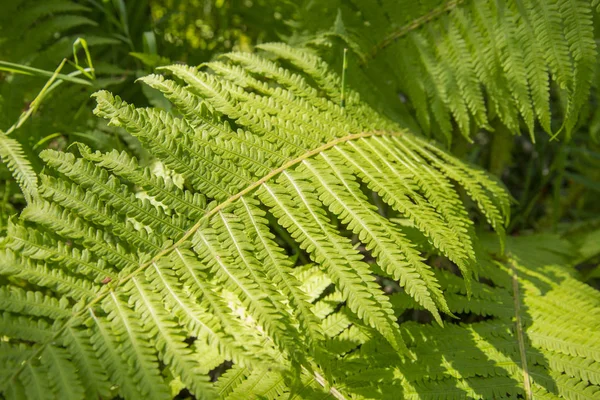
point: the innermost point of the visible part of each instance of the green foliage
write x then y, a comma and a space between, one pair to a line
194, 31
37, 37
244, 145
480, 64
125, 291
269, 229
12, 155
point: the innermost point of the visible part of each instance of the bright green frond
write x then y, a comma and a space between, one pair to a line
260, 239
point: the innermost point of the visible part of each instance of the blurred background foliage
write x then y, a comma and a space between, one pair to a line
193, 31
126, 40
555, 181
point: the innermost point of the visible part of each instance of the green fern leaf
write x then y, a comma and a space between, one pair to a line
261, 252
475, 63
12, 155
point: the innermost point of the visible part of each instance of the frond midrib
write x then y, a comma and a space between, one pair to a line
411, 26
520, 335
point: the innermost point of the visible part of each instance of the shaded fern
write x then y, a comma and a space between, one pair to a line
478, 63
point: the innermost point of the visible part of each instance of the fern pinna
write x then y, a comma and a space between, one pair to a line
256, 244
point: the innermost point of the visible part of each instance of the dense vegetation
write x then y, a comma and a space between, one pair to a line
311, 199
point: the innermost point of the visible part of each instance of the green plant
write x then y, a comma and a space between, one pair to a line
243, 169
481, 64
37, 37
107, 285
287, 236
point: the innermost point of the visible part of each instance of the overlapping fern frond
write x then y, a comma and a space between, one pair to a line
117, 279
530, 331
465, 63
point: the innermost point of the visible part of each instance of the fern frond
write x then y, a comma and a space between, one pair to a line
334, 252
475, 63
108, 188
24, 328
12, 155
34, 382
23, 302
214, 320
395, 254
278, 268
43, 275
188, 277
578, 31
34, 245
108, 353
309, 64
239, 270
231, 379
11, 355
263, 382
72, 227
